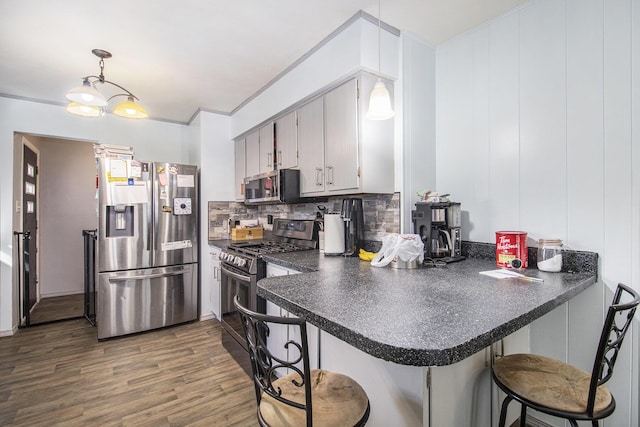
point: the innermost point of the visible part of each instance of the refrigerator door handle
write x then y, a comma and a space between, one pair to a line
146, 276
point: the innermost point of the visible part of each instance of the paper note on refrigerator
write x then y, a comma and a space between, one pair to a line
117, 168
124, 194
186, 181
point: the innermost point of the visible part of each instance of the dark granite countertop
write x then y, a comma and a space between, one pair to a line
421, 317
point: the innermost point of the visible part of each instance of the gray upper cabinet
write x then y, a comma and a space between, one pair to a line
240, 169
341, 168
340, 151
286, 141
311, 147
337, 150
266, 148
252, 154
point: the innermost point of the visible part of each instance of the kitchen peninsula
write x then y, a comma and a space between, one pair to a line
403, 323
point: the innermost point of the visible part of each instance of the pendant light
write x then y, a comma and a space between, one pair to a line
130, 110
379, 101
87, 101
85, 110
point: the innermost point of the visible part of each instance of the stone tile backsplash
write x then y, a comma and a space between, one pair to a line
381, 214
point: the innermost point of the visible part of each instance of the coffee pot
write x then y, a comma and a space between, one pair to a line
353, 216
441, 245
439, 226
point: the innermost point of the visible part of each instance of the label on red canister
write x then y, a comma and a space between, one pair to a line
511, 249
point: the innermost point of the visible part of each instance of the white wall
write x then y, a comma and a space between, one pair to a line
415, 160
537, 128
210, 132
150, 139
67, 206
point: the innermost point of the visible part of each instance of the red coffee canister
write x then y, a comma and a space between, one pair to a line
511, 249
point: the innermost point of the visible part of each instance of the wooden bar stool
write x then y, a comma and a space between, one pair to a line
559, 389
303, 396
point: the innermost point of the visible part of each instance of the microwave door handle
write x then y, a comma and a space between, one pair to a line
146, 276
234, 274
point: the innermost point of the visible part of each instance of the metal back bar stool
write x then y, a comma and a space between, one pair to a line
559, 389
290, 395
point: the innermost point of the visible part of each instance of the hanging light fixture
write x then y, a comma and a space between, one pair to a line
87, 101
85, 110
379, 101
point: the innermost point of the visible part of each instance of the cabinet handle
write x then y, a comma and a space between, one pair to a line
330, 175
319, 177
269, 162
280, 157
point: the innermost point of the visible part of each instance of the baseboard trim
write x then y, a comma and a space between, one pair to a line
207, 316
60, 294
531, 422
10, 332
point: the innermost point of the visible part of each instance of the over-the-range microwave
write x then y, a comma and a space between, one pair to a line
278, 186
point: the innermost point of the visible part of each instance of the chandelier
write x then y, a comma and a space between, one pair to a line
87, 101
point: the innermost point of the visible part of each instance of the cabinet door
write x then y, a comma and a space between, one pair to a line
313, 343
278, 334
311, 147
286, 141
266, 148
240, 168
341, 137
395, 391
214, 298
460, 394
252, 154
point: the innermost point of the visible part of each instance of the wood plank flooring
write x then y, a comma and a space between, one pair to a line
57, 308
60, 375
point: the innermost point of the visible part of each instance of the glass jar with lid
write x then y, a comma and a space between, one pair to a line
550, 255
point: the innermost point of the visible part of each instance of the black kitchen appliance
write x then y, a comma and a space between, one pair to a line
242, 266
278, 186
439, 227
353, 216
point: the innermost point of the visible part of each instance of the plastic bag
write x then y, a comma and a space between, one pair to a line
406, 247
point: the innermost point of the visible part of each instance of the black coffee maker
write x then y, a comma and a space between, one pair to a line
353, 216
439, 227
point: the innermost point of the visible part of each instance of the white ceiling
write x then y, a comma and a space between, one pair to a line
178, 56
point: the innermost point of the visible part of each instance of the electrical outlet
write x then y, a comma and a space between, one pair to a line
18, 206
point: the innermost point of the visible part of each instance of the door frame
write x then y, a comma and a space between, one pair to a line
23, 141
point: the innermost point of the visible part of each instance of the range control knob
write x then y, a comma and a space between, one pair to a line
222, 255
241, 262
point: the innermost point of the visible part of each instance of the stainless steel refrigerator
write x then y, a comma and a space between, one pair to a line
147, 254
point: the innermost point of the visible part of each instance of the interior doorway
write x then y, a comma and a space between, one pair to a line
62, 206
30, 190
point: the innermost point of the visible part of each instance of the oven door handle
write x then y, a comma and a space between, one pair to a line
234, 274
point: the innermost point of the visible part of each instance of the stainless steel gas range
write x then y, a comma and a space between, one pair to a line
242, 266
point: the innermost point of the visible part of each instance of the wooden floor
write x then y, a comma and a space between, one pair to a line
59, 374
57, 308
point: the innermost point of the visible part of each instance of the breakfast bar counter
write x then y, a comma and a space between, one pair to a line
430, 316
419, 341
